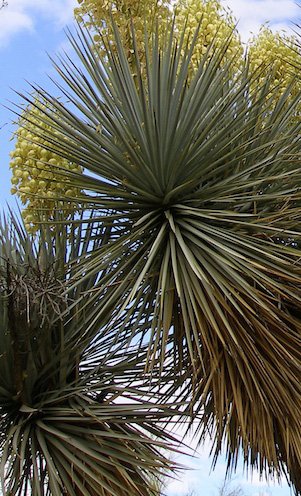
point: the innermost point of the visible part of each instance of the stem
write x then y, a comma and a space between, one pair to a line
12, 328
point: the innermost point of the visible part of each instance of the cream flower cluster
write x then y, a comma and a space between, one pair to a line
145, 14
37, 177
216, 23
275, 55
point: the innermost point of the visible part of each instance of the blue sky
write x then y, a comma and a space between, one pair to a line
29, 29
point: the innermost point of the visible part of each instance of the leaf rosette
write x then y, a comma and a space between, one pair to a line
199, 180
77, 415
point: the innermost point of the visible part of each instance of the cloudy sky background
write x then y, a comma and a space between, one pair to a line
29, 29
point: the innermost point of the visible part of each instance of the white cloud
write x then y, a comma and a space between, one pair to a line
262, 494
251, 14
200, 479
12, 24
186, 483
24, 15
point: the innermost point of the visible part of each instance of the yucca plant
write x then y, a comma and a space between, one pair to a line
199, 180
77, 414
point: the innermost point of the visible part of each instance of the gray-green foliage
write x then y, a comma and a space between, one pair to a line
197, 180
77, 415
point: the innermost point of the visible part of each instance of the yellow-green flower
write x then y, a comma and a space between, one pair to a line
274, 55
37, 174
216, 24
